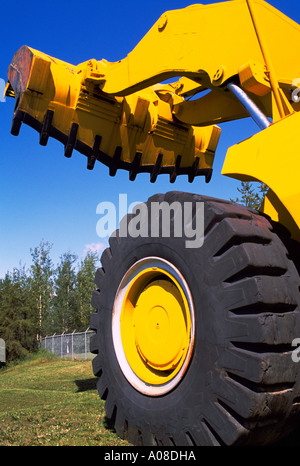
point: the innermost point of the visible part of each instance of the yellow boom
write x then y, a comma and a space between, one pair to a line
120, 114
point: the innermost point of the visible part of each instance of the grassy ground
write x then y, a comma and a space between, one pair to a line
46, 400
51, 401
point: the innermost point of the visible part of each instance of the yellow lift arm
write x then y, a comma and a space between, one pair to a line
235, 58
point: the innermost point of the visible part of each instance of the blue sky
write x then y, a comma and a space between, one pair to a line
43, 195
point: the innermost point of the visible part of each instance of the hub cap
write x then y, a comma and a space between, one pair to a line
153, 326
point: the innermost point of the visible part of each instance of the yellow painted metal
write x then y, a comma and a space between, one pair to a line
272, 157
139, 124
155, 326
120, 114
176, 45
214, 107
267, 58
205, 39
254, 78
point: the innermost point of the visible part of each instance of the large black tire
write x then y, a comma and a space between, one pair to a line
242, 385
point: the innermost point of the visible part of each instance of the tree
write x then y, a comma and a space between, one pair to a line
250, 197
42, 286
18, 323
45, 300
84, 287
64, 315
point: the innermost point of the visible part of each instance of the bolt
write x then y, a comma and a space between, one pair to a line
162, 22
218, 74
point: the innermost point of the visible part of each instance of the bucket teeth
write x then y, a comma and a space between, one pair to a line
193, 170
91, 162
17, 122
175, 171
156, 168
71, 140
45, 132
135, 166
95, 152
115, 161
208, 175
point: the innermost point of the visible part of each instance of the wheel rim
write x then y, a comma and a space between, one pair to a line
153, 326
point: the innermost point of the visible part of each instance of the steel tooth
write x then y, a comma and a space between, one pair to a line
94, 154
193, 170
71, 140
45, 131
156, 168
17, 122
208, 175
135, 166
175, 171
115, 161
91, 162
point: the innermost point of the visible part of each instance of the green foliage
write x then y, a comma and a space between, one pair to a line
64, 310
18, 322
250, 197
84, 287
45, 299
42, 283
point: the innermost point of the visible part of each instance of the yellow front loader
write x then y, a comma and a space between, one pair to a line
197, 302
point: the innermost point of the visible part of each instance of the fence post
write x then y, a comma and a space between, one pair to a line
73, 344
60, 351
61, 344
52, 342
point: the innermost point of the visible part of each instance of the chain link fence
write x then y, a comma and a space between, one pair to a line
74, 345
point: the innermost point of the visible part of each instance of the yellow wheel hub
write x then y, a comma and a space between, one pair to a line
160, 327
153, 326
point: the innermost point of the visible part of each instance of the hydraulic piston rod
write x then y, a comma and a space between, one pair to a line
258, 116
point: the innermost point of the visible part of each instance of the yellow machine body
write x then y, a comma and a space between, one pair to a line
122, 115
271, 156
136, 132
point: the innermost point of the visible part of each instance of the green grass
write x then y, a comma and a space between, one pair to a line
46, 400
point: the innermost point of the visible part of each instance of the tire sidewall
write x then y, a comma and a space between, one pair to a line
181, 399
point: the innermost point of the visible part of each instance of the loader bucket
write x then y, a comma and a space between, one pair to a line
137, 132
